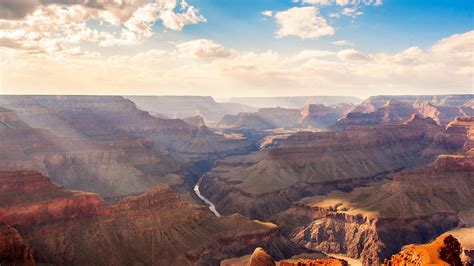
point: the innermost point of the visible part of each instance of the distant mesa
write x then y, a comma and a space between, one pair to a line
293, 102
188, 106
379, 110
311, 115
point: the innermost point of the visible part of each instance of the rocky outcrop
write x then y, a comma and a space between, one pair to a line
374, 222
315, 163
260, 258
380, 110
445, 250
53, 225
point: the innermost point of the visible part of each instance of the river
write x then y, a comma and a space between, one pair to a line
211, 205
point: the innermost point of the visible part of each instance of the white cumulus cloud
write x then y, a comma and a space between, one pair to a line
303, 22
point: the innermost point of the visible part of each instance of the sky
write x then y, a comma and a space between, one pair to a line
237, 48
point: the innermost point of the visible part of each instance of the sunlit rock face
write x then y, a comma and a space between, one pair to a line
444, 250
104, 144
52, 225
379, 110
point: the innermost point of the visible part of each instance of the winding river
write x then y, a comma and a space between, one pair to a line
211, 205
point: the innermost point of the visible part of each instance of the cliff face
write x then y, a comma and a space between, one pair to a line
393, 109
312, 115
374, 222
315, 163
103, 144
57, 226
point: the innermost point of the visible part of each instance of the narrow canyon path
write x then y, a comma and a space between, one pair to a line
211, 205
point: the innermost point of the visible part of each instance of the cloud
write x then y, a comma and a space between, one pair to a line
445, 67
351, 54
204, 48
267, 13
343, 43
303, 22
317, 2
47, 26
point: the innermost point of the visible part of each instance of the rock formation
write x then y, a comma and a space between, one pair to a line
104, 144
265, 183
53, 225
260, 258
374, 222
14, 250
312, 115
445, 250
379, 110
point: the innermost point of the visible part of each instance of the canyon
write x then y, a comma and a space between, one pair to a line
266, 182
54, 225
105, 144
281, 181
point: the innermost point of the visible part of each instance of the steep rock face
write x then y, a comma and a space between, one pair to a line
263, 184
445, 250
312, 115
104, 144
157, 227
374, 222
379, 110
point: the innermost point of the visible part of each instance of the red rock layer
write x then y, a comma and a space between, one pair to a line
14, 250
57, 226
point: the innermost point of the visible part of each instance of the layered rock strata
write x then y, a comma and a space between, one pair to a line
53, 225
